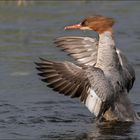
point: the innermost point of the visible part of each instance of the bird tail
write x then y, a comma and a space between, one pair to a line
122, 110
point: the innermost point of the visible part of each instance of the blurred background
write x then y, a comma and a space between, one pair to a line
28, 109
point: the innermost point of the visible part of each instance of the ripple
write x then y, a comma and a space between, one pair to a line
58, 120
35, 120
6, 108
54, 102
45, 102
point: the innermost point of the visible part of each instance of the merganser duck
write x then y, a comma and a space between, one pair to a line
102, 76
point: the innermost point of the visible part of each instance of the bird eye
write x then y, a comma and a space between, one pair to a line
84, 23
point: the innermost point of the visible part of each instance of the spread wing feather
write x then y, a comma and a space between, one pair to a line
83, 49
74, 81
64, 77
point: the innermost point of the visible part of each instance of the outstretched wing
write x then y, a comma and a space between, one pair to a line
128, 71
83, 49
71, 80
64, 77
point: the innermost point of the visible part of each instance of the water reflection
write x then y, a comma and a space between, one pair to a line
115, 129
109, 131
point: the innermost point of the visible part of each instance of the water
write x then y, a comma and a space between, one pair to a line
28, 109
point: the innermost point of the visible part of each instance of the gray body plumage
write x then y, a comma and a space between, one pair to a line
101, 78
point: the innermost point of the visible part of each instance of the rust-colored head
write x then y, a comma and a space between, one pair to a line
99, 24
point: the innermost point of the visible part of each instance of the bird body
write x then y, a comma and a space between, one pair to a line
102, 76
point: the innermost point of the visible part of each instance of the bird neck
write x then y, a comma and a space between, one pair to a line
106, 38
107, 57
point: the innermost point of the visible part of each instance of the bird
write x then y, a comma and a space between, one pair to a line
101, 75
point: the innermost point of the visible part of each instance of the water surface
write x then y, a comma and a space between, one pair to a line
28, 109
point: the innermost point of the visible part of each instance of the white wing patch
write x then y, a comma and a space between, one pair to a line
93, 102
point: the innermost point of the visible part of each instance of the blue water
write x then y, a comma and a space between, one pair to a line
30, 110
